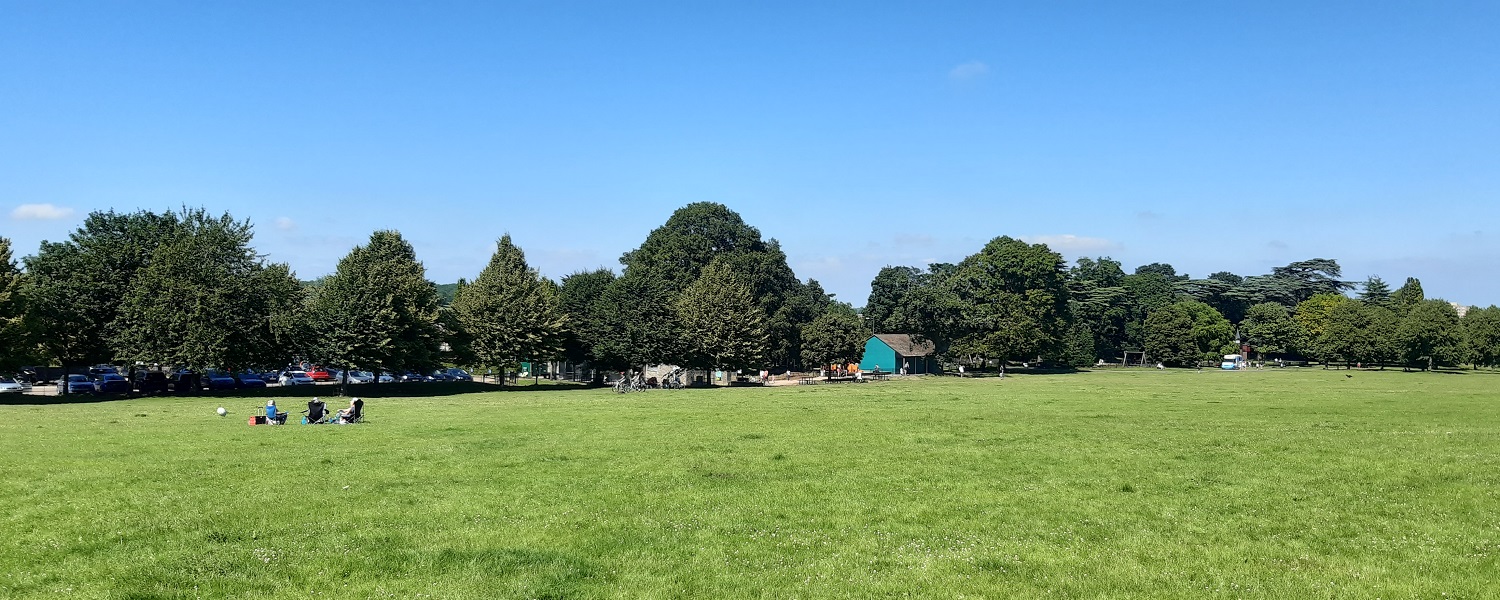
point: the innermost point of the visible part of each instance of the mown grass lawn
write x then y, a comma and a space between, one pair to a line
1139, 484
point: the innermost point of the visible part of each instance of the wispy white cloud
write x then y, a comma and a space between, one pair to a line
40, 212
285, 224
969, 70
1069, 243
1277, 245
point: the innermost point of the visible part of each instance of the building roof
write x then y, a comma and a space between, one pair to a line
905, 345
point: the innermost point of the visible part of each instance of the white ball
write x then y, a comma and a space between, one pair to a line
222, 412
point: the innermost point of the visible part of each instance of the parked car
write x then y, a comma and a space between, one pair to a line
96, 371
249, 380
457, 374
219, 380
414, 377
11, 386
319, 374
151, 382
185, 381
295, 378
440, 375
360, 377
385, 377
78, 384
111, 383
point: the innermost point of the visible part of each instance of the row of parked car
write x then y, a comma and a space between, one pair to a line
108, 380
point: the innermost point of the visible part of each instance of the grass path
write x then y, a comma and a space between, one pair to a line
1113, 484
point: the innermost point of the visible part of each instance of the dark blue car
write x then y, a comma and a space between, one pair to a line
78, 384
216, 380
251, 380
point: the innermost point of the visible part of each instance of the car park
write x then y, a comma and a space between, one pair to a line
111, 383
295, 378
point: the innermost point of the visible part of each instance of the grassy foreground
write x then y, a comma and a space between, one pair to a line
1138, 484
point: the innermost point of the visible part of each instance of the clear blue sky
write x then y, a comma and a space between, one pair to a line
1213, 136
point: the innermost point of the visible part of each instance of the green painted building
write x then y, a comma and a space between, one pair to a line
890, 352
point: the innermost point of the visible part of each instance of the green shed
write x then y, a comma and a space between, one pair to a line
890, 352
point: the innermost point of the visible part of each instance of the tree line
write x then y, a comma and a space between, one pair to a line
1018, 301
185, 289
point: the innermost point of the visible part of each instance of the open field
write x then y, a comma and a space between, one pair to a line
1138, 484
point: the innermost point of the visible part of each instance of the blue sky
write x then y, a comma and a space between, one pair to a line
1209, 135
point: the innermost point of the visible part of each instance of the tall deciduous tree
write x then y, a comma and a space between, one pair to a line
637, 324
378, 311
16, 347
675, 254
1312, 317
1430, 333
576, 297
838, 336
891, 290
509, 313
1269, 329
74, 288
722, 326
1013, 298
1167, 336
1482, 335
205, 300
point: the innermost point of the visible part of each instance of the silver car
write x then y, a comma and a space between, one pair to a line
295, 378
11, 386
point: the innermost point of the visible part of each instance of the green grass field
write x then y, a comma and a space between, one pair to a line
1140, 484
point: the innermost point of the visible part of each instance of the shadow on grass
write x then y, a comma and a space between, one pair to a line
366, 390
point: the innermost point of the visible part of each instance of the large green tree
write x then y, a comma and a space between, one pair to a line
636, 324
1312, 318
1013, 300
206, 300
1482, 335
721, 324
16, 347
509, 313
675, 254
378, 311
890, 292
837, 336
74, 288
1269, 329
1102, 310
1407, 297
576, 297
1430, 334
1167, 336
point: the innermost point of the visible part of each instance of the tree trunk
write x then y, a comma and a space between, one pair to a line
344, 382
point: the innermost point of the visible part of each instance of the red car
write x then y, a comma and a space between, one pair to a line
319, 374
